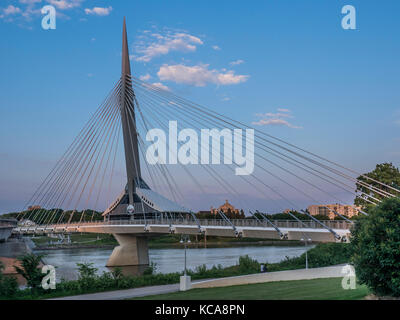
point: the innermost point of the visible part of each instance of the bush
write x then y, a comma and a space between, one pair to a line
30, 270
375, 246
322, 255
151, 269
87, 275
248, 265
8, 285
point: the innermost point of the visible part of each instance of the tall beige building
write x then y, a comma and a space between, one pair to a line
225, 208
322, 209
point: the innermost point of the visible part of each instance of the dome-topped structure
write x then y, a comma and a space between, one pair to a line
225, 208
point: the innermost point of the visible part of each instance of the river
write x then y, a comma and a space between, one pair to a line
167, 260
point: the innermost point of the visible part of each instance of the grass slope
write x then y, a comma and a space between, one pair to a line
316, 289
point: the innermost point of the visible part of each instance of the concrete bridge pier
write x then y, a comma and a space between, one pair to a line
132, 251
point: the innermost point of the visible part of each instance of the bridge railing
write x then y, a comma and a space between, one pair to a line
334, 224
8, 223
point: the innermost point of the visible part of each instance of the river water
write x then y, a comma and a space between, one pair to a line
167, 260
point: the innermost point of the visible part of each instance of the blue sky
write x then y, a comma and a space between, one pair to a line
342, 87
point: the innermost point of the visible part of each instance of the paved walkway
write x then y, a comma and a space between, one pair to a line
301, 274
125, 294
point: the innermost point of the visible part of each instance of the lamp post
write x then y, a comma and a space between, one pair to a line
185, 239
305, 240
185, 280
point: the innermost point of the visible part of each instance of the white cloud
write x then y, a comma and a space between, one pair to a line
99, 11
237, 62
29, 1
161, 86
155, 44
216, 48
10, 10
145, 77
65, 4
30, 9
274, 115
198, 75
275, 119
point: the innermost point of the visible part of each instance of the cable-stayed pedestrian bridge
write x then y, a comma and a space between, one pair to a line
155, 192
243, 228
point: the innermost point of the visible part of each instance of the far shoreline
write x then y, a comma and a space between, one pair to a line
210, 245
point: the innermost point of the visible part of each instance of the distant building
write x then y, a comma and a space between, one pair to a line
225, 208
34, 208
322, 209
27, 223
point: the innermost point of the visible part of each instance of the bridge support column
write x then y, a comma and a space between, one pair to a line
132, 251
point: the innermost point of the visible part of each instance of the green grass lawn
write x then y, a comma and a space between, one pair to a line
317, 289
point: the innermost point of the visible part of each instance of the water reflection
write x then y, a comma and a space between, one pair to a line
166, 260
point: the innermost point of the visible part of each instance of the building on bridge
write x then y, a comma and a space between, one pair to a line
328, 210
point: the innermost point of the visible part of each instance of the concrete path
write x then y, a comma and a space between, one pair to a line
125, 294
300, 274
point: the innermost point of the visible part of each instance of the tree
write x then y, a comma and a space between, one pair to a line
375, 250
30, 270
385, 173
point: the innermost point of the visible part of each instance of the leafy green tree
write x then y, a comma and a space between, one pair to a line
375, 244
30, 270
385, 173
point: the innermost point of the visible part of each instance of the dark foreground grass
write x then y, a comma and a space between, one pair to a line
316, 289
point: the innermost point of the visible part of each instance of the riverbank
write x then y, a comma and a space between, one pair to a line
105, 241
89, 281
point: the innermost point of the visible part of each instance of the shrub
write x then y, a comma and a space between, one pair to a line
8, 285
87, 275
151, 269
322, 255
30, 270
248, 265
375, 246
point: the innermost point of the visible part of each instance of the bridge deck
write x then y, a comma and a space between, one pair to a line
241, 228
